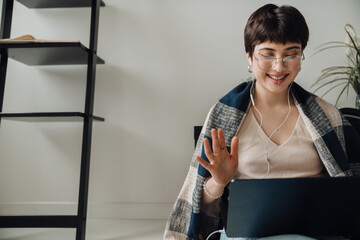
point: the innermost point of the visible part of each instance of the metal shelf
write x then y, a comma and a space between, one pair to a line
48, 117
52, 221
47, 53
57, 3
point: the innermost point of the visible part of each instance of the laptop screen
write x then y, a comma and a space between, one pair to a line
308, 206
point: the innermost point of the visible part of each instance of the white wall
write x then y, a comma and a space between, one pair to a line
167, 62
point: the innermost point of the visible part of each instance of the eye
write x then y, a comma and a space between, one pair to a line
290, 57
267, 57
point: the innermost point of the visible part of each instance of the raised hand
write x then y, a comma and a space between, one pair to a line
222, 165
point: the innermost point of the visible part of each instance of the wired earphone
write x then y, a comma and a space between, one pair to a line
252, 90
261, 123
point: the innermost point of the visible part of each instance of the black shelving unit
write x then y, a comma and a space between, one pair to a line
57, 3
47, 117
47, 53
55, 53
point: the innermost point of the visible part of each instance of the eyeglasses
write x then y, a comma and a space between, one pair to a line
268, 62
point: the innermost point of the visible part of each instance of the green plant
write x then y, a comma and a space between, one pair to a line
347, 75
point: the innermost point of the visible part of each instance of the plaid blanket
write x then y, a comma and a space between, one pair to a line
337, 143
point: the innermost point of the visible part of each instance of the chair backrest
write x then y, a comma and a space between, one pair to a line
197, 131
353, 116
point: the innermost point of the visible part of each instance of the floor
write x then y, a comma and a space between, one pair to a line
96, 230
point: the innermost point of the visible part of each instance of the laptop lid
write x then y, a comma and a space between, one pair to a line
308, 206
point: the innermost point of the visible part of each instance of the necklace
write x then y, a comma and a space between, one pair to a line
276, 129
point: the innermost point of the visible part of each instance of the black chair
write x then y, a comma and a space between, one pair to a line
197, 131
353, 116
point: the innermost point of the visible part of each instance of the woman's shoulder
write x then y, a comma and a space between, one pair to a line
325, 105
238, 97
308, 99
330, 110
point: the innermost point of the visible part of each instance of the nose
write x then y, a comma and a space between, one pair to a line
279, 65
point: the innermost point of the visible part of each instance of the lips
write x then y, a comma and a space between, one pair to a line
277, 79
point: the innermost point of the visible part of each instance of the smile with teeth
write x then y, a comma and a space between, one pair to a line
278, 78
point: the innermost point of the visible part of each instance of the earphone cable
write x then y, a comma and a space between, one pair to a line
276, 129
217, 231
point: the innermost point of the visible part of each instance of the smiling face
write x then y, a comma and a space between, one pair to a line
275, 65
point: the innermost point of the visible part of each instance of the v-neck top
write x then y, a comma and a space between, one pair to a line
296, 157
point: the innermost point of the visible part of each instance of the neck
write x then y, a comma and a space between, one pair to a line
270, 100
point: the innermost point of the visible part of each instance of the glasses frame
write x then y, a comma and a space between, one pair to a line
275, 60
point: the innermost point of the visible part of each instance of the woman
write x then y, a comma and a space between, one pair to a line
266, 128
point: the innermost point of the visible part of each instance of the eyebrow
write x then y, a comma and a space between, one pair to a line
271, 49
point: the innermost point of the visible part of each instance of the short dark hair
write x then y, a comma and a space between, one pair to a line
275, 24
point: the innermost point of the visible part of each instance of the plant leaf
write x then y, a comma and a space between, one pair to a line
341, 75
342, 91
353, 42
330, 82
332, 88
330, 47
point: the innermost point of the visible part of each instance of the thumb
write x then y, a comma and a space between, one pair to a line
234, 146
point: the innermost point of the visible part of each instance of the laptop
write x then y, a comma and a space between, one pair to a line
308, 206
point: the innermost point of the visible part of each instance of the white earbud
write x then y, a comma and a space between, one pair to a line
251, 91
252, 99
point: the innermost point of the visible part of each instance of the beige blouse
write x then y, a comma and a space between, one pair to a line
296, 157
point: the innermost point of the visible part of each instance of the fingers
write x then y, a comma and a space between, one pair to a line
221, 138
207, 149
203, 163
234, 147
215, 140
218, 139
218, 144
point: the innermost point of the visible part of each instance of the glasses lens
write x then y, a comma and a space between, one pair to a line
293, 61
268, 62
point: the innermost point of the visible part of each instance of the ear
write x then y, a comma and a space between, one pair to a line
249, 59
